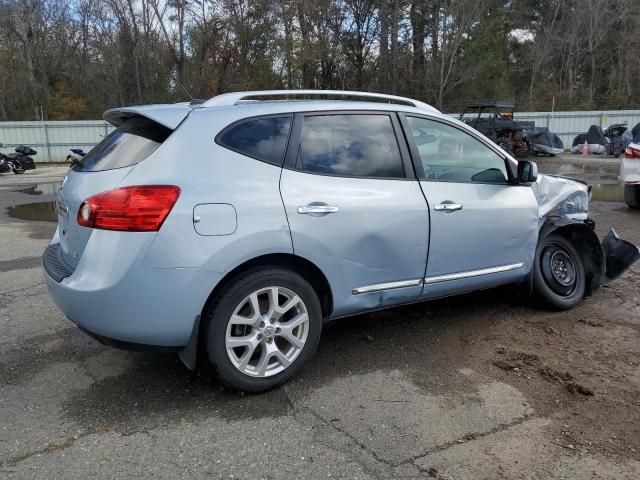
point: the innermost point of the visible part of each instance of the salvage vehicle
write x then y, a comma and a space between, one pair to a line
495, 120
231, 229
544, 142
615, 137
610, 141
630, 173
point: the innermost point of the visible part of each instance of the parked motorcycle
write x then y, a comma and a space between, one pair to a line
19, 161
76, 156
614, 133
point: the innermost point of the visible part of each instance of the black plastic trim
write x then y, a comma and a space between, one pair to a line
131, 346
54, 265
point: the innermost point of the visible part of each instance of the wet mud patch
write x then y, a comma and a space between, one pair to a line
578, 367
158, 390
527, 364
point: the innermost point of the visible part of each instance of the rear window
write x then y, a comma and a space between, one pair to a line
130, 143
263, 138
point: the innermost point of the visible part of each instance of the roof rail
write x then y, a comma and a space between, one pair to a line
227, 99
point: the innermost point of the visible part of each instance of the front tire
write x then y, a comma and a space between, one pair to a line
632, 196
262, 329
559, 279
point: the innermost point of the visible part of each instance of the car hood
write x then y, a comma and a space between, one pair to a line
561, 197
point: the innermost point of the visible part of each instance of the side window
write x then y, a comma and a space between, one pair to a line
260, 138
351, 145
450, 155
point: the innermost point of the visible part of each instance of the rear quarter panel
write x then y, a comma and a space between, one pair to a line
210, 174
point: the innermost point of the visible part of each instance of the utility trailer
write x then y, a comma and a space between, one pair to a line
494, 119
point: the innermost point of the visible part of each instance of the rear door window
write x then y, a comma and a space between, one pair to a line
262, 138
130, 143
351, 145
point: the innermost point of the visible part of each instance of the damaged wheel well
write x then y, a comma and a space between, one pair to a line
583, 238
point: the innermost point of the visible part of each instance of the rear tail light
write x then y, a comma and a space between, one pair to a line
132, 209
632, 152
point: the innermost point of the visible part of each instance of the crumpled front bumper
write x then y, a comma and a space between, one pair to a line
564, 206
618, 256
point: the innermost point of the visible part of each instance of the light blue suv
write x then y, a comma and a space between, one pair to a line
234, 227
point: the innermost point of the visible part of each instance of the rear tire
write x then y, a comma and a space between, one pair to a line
559, 279
632, 196
255, 343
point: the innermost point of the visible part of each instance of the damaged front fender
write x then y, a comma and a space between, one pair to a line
561, 197
563, 208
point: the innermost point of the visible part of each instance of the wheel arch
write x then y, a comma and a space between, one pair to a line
192, 351
582, 236
299, 264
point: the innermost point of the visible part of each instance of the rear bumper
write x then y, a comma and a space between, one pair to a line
134, 347
122, 302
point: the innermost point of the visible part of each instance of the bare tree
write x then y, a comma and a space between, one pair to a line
455, 21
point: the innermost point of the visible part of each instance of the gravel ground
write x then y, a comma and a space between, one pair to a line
473, 387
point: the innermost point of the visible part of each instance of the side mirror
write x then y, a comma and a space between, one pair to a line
527, 171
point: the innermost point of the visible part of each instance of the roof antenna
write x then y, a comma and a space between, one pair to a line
185, 90
194, 101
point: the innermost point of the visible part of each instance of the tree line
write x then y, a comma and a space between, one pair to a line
71, 59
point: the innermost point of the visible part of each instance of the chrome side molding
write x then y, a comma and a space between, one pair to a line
378, 287
472, 273
387, 286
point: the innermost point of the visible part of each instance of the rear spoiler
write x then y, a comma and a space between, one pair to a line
169, 116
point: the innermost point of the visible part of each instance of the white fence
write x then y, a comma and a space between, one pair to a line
53, 140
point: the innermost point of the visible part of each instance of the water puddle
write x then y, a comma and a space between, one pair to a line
603, 177
49, 188
607, 192
586, 172
40, 211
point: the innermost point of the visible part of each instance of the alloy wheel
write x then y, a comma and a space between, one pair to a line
267, 331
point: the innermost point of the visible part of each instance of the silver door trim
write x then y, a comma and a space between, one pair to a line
472, 273
377, 287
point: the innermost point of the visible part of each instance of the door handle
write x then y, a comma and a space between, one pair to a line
322, 209
447, 207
